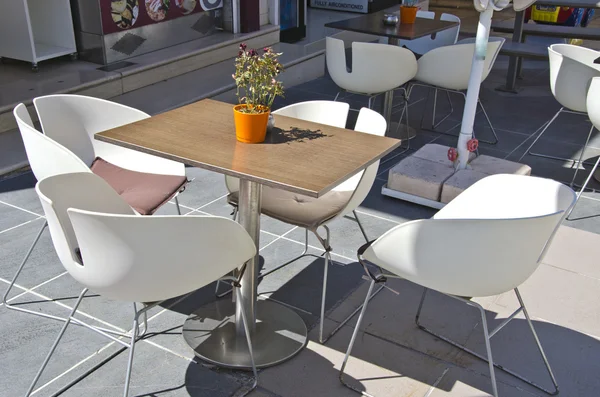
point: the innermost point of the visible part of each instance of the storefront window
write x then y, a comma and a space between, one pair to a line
289, 14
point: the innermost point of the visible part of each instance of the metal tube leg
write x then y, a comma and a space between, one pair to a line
435, 92
134, 335
249, 341
488, 347
421, 308
362, 230
387, 106
528, 151
25, 259
537, 340
177, 205
327, 259
489, 123
580, 161
583, 187
353, 339
55, 344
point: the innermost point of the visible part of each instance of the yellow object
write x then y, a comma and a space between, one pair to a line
250, 127
545, 13
576, 41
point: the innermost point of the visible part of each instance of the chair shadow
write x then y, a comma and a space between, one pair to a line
278, 135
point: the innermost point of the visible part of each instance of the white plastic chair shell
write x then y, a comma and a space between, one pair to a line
323, 112
571, 71
449, 67
135, 258
72, 121
376, 68
45, 156
446, 37
485, 242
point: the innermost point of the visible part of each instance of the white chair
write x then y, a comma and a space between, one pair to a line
425, 44
571, 71
593, 111
113, 251
448, 69
311, 214
486, 242
46, 158
73, 120
376, 69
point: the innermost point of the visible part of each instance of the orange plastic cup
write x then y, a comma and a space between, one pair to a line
408, 15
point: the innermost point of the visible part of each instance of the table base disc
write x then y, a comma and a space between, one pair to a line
400, 132
280, 334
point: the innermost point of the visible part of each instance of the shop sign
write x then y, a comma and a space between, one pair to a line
342, 5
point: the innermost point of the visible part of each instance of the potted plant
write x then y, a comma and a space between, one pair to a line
257, 87
408, 11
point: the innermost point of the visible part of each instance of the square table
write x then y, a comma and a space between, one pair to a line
373, 24
311, 163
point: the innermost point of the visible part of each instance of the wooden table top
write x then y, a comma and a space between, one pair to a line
301, 157
373, 24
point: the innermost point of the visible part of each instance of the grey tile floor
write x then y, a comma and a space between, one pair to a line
392, 357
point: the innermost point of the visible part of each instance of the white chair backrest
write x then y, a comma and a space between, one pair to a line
369, 122
593, 102
322, 112
45, 156
571, 71
72, 120
127, 258
489, 242
83, 190
450, 66
440, 39
376, 67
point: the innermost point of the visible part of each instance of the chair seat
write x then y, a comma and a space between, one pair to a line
144, 192
297, 209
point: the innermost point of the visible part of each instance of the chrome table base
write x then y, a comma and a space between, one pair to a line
279, 335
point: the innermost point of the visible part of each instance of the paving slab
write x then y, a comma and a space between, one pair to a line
568, 241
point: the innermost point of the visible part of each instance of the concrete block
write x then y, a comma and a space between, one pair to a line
437, 153
493, 165
419, 177
481, 167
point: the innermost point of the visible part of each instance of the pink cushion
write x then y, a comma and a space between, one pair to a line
142, 191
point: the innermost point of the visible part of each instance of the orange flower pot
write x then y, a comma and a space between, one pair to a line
250, 127
408, 15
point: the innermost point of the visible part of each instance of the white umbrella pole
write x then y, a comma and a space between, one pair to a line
481, 42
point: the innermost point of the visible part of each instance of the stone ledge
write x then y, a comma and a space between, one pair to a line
419, 177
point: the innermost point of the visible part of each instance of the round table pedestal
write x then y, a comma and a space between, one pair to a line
280, 334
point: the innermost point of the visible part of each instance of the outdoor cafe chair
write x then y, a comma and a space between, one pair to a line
593, 111
47, 157
571, 71
487, 241
447, 69
120, 255
313, 213
146, 182
376, 69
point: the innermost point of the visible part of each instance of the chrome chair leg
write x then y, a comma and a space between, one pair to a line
495, 141
5, 299
435, 125
353, 339
362, 229
134, 334
580, 161
593, 170
177, 205
55, 344
488, 336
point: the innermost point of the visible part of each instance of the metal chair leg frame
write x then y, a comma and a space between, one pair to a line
580, 161
134, 337
545, 127
177, 205
434, 126
594, 168
369, 103
353, 339
488, 335
404, 110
